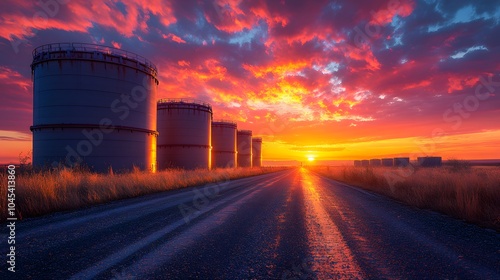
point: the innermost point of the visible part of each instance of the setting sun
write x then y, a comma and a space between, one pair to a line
310, 158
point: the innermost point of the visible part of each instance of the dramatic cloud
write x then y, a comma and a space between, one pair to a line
302, 74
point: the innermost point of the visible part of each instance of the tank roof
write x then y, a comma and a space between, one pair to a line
257, 139
85, 47
221, 121
249, 132
183, 101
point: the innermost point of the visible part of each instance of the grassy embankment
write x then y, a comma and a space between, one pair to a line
39, 193
468, 193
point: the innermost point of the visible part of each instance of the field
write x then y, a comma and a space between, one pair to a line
39, 193
468, 193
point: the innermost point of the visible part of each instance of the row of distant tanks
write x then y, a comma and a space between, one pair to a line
400, 162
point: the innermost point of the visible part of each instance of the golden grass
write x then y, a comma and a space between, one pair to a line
471, 194
39, 193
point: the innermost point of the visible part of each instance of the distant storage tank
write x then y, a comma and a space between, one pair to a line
93, 106
365, 162
388, 162
244, 141
429, 161
357, 163
185, 134
223, 144
256, 152
375, 162
401, 161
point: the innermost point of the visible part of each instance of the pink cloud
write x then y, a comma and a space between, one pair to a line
81, 16
385, 14
116, 44
174, 38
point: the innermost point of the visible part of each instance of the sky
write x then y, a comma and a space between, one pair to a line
330, 80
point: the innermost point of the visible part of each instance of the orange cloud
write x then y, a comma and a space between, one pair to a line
420, 84
279, 70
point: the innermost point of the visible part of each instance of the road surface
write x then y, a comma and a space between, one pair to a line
291, 224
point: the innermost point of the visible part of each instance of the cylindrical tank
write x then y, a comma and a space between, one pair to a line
365, 162
244, 141
429, 161
93, 106
388, 162
184, 139
224, 144
375, 162
401, 161
357, 163
256, 151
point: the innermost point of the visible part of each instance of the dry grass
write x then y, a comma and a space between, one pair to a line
471, 194
39, 193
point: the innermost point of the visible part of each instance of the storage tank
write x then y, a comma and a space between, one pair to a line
256, 151
388, 162
429, 161
357, 163
365, 162
223, 144
375, 162
184, 140
93, 106
401, 161
244, 141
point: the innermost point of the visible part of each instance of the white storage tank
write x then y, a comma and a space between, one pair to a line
93, 106
244, 141
184, 139
224, 144
256, 151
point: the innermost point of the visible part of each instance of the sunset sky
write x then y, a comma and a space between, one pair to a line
334, 80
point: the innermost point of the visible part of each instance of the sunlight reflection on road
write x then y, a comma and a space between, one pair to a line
332, 258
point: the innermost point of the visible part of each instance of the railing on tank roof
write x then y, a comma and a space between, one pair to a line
224, 121
91, 47
184, 100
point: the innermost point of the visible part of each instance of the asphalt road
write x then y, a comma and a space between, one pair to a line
286, 225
